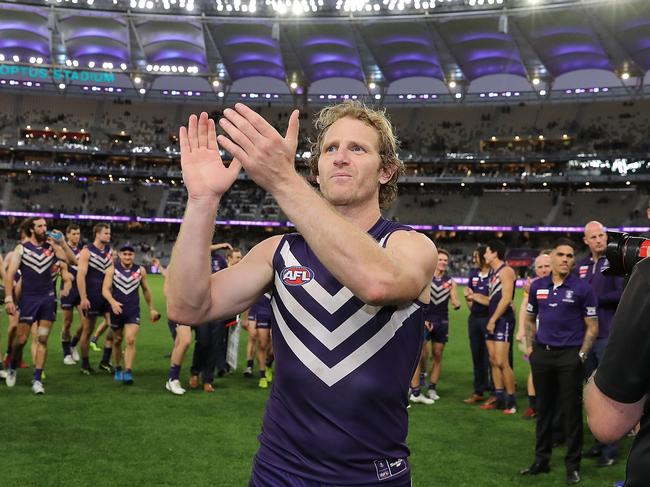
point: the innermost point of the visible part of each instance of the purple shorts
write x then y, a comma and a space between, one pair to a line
71, 300
262, 320
98, 305
502, 331
35, 308
266, 475
439, 333
126, 318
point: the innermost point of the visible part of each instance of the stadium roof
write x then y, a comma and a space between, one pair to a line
444, 50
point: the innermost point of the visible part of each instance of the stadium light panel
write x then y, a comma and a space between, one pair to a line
137, 80
452, 84
16, 58
2, 57
91, 64
372, 85
536, 81
32, 60
625, 76
142, 91
293, 85
215, 83
542, 92
61, 87
458, 96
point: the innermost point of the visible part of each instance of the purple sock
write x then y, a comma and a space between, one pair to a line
416, 392
85, 362
15, 361
66, 348
262, 373
106, 358
74, 341
174, 372
37, 374
511, 402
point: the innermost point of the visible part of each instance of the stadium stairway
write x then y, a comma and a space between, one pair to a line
6, 194
163, 203
552, 214
472, 211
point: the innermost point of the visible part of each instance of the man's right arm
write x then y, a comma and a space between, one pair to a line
82, 270
193, 295
616, 396
223, 294
16, 258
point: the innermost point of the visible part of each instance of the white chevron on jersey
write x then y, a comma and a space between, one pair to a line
126, 284
440, 293
495, 286
331, 339
39, 263
331, 375
100, 263
320, 294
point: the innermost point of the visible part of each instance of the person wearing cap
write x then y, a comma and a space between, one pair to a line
608, 290
120, 289
561, 328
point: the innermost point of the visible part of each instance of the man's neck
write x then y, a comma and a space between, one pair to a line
496, 263
99, 244
438, 274
558, 278
363, 217
596, 255
484, 269
34, 241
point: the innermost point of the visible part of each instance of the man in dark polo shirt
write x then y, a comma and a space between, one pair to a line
617, 399
608, 290
565, 307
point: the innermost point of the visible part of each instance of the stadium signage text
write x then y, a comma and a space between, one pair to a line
55, 74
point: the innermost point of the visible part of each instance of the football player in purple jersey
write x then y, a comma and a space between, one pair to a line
120, 288
94, 259
347, 291
37, 259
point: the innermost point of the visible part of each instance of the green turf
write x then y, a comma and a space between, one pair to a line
93, 431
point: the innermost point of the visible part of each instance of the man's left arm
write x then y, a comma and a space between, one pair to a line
146, 292
379, 276
589, 313
455, 302
61, 249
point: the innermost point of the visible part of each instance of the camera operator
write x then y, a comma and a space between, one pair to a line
608, 290
616, 398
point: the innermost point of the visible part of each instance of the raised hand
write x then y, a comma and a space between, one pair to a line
267, 156
204, 174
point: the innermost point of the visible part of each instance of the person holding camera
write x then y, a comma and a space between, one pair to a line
617, 397
558, 345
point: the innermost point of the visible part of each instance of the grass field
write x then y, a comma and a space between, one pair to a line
92, 431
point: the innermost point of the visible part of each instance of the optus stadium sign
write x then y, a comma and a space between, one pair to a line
58, 75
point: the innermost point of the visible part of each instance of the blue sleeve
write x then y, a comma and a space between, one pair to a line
532, 306
590, 303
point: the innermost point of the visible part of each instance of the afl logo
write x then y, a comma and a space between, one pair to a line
296, 275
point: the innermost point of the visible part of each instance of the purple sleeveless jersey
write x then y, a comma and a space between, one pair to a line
126, 283
337, 409
37, 268
100, 261
439, 305
494, 289
73, 269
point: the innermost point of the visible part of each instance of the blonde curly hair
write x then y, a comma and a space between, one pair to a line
388, 142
